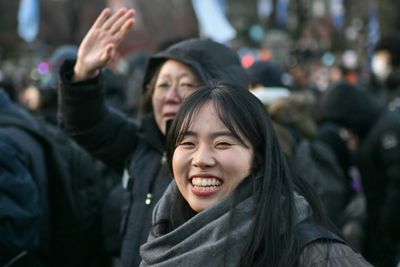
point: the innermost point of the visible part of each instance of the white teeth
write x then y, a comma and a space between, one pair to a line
206, 182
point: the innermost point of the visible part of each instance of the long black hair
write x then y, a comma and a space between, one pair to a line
272, 241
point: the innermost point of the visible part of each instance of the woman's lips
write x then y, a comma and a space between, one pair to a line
169, 115
205, 185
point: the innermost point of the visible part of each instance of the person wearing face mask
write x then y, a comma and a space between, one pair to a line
135, 147
385, 66
234, 201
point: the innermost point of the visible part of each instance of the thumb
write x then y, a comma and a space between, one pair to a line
108, 53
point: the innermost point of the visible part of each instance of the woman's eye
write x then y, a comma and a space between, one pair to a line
187, 85
187, 144
223, 145
163, 85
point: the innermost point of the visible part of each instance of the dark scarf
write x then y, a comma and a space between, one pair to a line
213, 237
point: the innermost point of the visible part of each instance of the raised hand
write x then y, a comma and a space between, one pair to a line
100, 43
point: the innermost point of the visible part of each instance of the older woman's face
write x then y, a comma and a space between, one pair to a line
209, 163
174, 82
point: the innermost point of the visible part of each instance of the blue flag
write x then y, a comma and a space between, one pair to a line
337, 13
265, 8
212, 20
373, 29
373, 25
282, 7
28, 19
223, 4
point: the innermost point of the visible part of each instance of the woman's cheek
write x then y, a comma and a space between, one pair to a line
179, 162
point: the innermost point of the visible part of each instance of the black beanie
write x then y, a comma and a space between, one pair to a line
267, 73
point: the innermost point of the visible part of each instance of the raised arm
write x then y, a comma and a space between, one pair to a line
83, 112
99, 45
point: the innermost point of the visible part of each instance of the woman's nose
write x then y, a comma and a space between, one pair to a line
203, 157
172, 94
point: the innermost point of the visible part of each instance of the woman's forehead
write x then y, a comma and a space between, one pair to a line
206, 115
172, 65
201, 109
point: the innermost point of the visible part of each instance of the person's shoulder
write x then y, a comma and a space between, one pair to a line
331, 253
8, 146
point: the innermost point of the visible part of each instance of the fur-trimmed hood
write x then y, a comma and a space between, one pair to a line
296, 111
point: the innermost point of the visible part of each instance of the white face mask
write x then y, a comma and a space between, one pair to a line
380, 67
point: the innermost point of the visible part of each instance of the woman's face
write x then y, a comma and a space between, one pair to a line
174, 82
209, 162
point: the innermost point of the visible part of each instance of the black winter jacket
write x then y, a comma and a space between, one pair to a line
378, 159
24, 212
137, 146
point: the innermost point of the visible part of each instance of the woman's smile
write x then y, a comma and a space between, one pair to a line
205, 185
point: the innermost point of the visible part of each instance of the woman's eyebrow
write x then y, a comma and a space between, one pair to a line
189, 133
222, 133
213, 134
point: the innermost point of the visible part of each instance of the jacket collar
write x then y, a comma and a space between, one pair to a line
151, 134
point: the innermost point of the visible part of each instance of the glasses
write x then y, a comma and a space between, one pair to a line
182, 90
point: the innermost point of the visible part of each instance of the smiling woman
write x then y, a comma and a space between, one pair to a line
234, 201
209, 162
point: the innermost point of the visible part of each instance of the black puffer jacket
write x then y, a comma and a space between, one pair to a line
137, 145
378, 159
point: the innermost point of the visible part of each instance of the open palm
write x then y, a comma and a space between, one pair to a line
101, 41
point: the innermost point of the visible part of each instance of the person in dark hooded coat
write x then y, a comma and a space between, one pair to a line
24, 220
135, 148
378, 159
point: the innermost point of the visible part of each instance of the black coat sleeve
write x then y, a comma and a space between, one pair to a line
105, 133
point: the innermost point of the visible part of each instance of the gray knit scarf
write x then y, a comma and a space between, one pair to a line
213, 237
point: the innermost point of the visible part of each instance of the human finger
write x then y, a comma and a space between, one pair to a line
111, 20
128, 25
126, 20
108, 53
120, 35
102, 18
